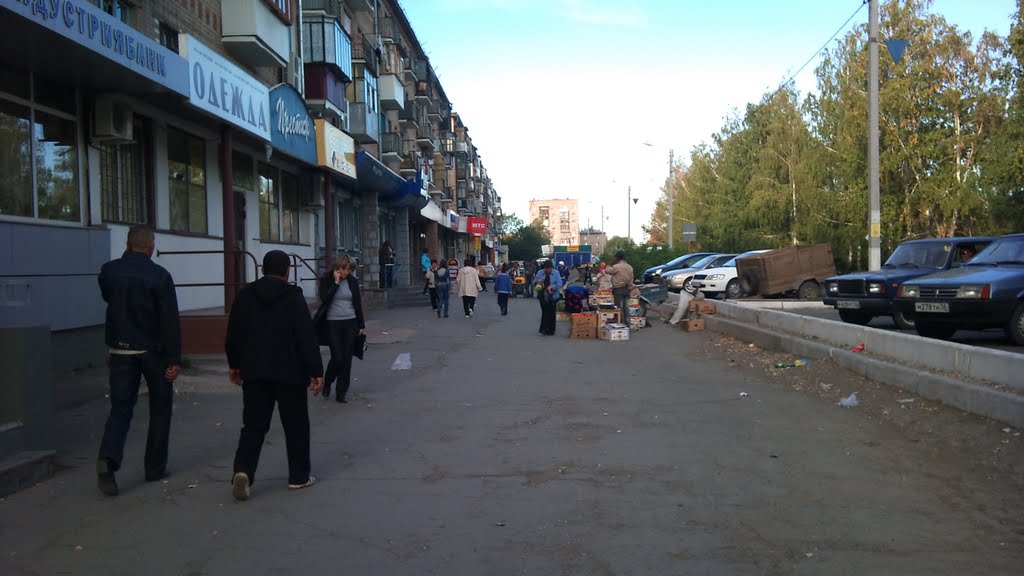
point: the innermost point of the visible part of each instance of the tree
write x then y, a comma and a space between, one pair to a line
510, 224
525, 243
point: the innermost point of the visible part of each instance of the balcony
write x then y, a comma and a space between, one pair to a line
364, 53
408, 118
329, 7
325, 91
388, 30
433, 112
463, 206
460, 190
462, 148
412, 160
360, 5
411, 71
461, 174
423, 91
448, 144
325, 42
392, 92
256, 34
425, 135
391, 147
364, 124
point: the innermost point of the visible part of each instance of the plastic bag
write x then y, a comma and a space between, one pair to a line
402, 362
684, 304
850, 401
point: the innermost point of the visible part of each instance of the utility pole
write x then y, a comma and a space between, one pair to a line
671, 197
629, 194
874, 210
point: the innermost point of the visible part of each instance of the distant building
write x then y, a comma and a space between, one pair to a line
596, 239
560, 217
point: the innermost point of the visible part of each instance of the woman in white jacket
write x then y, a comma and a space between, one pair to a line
469, 286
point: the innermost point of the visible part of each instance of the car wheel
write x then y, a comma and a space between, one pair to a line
688, 285
934, 331
732, 289
1015, 327
810, 290
851, 317
748, 282
902, 321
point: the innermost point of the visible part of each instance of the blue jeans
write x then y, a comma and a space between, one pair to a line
125, 378
442, 300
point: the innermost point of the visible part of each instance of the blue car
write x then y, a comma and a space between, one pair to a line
986, 292
862, 296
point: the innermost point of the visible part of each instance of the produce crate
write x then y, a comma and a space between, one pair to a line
584, 326
608, 316
615, 332
692, 324
638, 322
562, 316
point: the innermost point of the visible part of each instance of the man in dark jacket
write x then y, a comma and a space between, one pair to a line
273, 355
143, 337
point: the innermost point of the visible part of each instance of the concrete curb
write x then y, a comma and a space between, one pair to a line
995, 404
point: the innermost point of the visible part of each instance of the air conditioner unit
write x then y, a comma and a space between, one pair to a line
314, 194
112, 121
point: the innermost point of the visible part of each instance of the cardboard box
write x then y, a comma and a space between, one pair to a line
692, 324
608, 316
615, 332
706, 307
584, 326
638, 322
588, 333
634, 311
562, 316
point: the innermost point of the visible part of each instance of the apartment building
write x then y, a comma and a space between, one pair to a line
560, 217
231, 127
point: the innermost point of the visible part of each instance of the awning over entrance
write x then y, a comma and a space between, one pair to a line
391, 188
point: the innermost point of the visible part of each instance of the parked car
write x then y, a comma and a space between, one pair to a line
862, 296
722, 280
985, 292
653, 274
679, 280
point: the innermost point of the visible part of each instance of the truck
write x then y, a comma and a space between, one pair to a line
794, 269
572, 255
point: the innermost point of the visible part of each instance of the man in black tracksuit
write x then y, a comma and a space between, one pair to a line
273, 355
143, 338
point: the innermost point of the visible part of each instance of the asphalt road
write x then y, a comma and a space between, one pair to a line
505, 452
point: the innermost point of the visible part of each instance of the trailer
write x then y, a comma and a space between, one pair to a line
796, 269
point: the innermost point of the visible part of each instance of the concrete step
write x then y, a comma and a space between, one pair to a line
25, 469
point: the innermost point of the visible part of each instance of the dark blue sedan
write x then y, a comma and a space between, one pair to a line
862, 296
986, 292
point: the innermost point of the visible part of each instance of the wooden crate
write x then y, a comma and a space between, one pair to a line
692, 324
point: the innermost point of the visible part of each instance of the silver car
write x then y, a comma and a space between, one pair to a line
679, 280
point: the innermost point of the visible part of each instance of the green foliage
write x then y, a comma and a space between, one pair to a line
951, 148
640, 257
510, 224
525, 243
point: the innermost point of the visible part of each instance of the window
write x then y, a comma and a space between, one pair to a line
279, 205
168, 37
243, 172
186, 171
39, 169
282, 7
119, 9
122, 181
289, 208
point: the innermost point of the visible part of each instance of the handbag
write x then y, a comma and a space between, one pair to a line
359, 346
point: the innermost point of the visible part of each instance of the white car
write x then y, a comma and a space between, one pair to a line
679, 280
715, 281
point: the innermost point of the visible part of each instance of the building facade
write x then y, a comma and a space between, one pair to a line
231, 127
596, 239
560, 218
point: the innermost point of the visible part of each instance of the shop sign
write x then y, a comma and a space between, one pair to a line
477, 226
291, 127
85, 24
453, 221
335, 150
225, 90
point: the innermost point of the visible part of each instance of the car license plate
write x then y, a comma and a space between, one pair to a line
931, 307
848, 304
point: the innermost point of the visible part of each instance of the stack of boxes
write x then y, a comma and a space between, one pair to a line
636, 321
694, 320
584, 326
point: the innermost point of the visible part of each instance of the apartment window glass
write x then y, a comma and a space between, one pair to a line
16, 161
270, 198
169, 37
289, 208
119, 9
186, 167
122, 180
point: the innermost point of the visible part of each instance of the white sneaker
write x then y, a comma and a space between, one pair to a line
240, 486
471, 312
306, 484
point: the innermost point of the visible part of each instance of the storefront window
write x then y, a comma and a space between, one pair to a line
270, 215
356, 229
15, 161
56, 167
186, 163
244, 174
122, 180
289, 208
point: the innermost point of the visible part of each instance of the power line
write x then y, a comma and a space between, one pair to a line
827, 42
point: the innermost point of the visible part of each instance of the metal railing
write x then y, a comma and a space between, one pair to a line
255, 265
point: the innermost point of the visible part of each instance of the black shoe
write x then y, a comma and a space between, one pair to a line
157, 476
105, 477
438, 312
326, 392
342, 401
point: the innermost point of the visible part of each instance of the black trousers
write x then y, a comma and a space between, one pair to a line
342, 340
468, 303
547, 315
126, 372
258, 399
503, 302
433, 298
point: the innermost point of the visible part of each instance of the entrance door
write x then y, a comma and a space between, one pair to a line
240, 258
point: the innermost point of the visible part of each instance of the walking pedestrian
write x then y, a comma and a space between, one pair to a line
143, 338
469, 286
443, 285
503, 287
341, 313
386, 261
622, 283
548, 286
431, 276
273, 355
424, 268
530, 267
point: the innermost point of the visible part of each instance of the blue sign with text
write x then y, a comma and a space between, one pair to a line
291, 127
87, 25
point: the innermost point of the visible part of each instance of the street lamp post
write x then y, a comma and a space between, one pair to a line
629, 213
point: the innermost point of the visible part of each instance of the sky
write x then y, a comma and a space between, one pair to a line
585, 98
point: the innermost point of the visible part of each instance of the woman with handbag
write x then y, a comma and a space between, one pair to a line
548, 286
340, 323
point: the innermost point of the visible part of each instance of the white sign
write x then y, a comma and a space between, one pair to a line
223, 89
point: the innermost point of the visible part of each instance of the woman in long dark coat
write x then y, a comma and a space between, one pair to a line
341, 309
